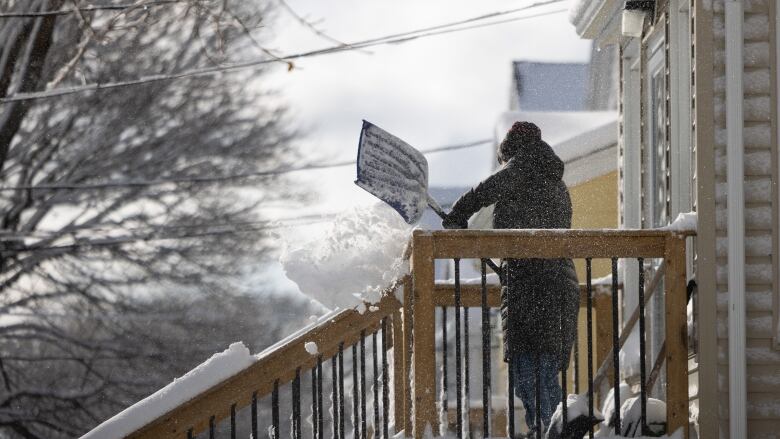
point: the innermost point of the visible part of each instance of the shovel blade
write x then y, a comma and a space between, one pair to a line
393, 171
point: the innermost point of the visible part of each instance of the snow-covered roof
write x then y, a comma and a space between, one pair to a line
549, 86
592, 17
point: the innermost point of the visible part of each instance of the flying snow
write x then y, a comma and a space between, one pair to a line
354, 261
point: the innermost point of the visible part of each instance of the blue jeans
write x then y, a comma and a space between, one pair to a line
524, 365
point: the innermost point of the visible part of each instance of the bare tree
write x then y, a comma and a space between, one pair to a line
103, 258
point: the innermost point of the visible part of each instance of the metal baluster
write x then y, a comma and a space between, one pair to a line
538, 396
444, 387
190, 435
376, 385
355, 399
589, 311
296, 405
458, 356
341, 390
616, 343
363, 421
314, 414
212, 428
233, 421
254, 416
510, 399
275, 410
564, 384
385, 384
486, 400
320, 408
642, 359
510, 367
576, 377
466, 373
334, 395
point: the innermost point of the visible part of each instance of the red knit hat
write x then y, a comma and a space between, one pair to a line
521, 134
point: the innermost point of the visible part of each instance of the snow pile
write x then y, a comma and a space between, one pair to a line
210, 373
608, 408
311, 347
630, 414
685, 222
357, 258
577, 416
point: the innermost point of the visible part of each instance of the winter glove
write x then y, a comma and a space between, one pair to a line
454, 222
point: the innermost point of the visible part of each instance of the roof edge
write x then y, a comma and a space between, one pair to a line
592, 17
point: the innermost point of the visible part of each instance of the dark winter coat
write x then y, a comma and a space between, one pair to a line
540, 298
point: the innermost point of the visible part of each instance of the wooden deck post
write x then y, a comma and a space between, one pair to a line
408, 318
399, 376
676, 336
423, 326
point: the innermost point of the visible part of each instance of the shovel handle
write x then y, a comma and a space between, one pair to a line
439, 211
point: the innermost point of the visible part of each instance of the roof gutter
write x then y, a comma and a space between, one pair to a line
736, 218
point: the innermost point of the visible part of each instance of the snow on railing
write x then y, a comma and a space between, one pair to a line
229, 392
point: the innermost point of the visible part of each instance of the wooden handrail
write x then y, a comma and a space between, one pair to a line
279, 366
518, 244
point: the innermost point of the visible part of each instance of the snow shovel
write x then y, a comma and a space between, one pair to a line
396, 173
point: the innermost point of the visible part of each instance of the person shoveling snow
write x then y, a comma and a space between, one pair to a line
540, 300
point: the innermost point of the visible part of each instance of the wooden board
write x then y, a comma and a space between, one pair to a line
547, 243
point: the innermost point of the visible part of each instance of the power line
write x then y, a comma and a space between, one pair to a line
398, 38
96, 8
275, 223
216, 179
309, 25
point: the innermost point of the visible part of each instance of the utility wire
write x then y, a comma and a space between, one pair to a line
121, 240
96, 8
309, 25
398, 38
215, 179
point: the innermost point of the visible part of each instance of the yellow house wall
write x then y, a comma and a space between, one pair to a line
595, 206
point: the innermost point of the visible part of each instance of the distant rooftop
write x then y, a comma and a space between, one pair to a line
543, 86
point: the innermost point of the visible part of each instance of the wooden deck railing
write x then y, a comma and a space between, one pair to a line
408, 329
283, 365
423, 296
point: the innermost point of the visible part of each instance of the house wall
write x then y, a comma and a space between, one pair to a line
595, 206
763, 360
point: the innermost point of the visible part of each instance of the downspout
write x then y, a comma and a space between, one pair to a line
736, 219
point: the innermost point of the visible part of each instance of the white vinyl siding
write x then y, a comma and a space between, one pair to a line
763, 360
